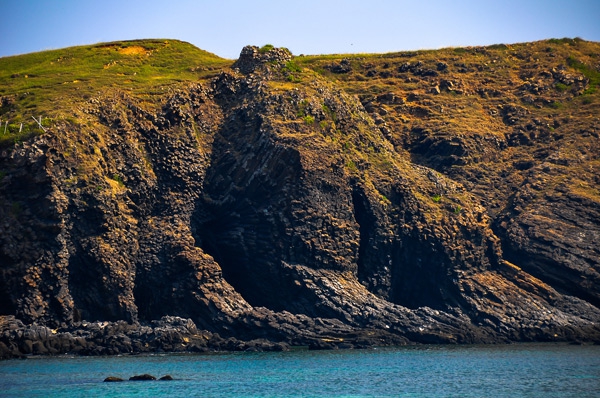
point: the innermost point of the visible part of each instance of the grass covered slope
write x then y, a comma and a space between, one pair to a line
54, 84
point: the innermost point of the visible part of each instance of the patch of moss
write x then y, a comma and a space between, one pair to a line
308, 119
561, 86
266, 48
592, 74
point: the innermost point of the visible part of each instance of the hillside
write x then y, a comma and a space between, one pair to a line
175, 200
55, 84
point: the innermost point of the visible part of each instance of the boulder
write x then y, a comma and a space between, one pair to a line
112, 379
343, 66
143, 377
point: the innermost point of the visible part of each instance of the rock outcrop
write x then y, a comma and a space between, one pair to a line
256, 214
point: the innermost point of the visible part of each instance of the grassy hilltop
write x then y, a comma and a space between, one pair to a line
53, 84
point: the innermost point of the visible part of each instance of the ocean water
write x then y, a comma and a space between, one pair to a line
520, 370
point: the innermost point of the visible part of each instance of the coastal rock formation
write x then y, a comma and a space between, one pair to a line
251, 212
144, 377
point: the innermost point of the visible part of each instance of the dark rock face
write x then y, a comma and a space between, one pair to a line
113, 379
144, 377
569, 263
343, 66
253, 58
242, 217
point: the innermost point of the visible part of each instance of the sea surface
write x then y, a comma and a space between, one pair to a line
518, 370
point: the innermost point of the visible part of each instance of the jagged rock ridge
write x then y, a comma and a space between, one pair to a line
261, 209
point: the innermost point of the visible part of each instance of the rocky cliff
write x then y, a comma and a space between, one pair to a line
285, 201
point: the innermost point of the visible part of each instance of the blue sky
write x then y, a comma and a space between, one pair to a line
304, 26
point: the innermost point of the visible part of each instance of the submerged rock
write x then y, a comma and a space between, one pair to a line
144, 377
111, 379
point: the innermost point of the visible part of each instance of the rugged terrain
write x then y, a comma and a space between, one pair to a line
177, 201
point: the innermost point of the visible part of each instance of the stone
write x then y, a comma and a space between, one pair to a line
142, 377
253, 57
112, 379
343, 66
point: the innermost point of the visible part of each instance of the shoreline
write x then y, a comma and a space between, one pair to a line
179, 336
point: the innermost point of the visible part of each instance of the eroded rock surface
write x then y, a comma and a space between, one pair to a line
249, 214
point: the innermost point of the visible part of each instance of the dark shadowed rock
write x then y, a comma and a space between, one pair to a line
343, 66
144, 377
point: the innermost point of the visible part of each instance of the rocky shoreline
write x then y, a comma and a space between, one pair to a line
169, 334
173, 334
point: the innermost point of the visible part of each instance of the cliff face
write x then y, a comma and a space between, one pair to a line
263, 208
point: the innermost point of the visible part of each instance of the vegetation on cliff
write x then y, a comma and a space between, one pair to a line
349, 200
55, 84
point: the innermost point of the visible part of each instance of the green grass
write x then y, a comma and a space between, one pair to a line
351, 165
54, 83
266, 48
561, 86
292, 71
564, 40
308, 119
47, 80
118, 179
592, 74
556, 105
57, 84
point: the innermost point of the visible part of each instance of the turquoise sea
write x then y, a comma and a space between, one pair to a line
519, 370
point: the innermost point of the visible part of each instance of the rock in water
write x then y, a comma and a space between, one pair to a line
111, 379
143, 377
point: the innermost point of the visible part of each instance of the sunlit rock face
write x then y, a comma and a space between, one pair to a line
253, 207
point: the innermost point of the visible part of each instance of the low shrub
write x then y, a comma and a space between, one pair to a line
266, 48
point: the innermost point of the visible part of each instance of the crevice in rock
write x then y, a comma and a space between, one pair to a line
7, 306
239, 220
164, 286
242, 244
421, 277
145, 293
370, 272
89, 296
217, 238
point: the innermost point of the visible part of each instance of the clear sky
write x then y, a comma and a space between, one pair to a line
223, 27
